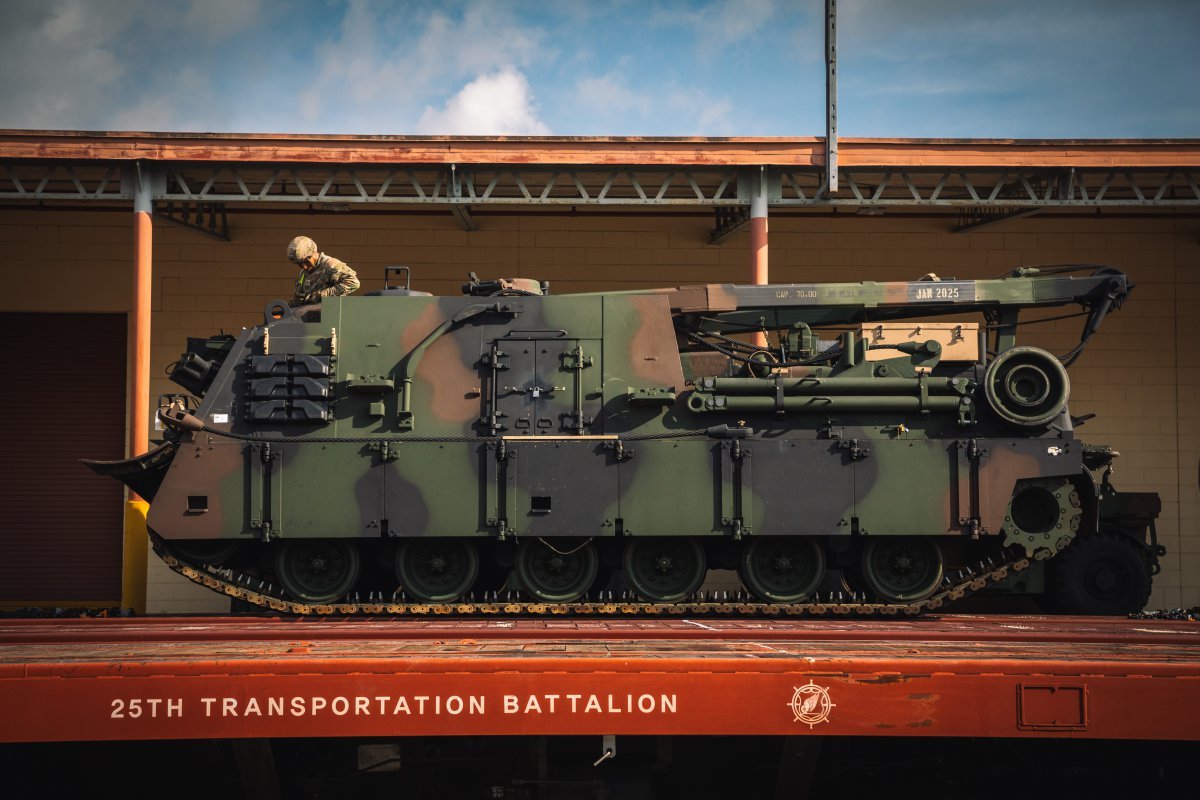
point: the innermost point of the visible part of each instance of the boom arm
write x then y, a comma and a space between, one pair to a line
714, 306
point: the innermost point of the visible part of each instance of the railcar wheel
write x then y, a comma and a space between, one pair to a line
317, 570
557, 570
784, 569
902, 569
205, 551
436, 570
1105, 574
665, 570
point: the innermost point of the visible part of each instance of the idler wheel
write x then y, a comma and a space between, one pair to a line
783, 569
436, 570
902, 569
557, 570
317, 570
665, 570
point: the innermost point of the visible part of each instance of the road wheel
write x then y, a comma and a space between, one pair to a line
783, 569
665, 570
557, 570
436, 570
317, 570
902, 569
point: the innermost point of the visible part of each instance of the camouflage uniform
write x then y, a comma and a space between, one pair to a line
329, 277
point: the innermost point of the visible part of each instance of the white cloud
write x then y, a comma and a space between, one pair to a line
609, 94
727, 23
160, 108
57, 67
133, 64
712, 67
670, 110
109, 64
389, 59
216, 19
495, 104
719, 24
711, 114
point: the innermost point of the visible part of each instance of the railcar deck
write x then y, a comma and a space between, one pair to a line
247, 677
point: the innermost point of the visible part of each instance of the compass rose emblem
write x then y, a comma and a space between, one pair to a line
811, 705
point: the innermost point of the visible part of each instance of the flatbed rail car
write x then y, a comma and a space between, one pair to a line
264, 677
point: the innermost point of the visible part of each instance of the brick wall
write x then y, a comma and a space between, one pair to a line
1137, 376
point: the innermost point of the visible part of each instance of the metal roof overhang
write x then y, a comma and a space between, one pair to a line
935, 174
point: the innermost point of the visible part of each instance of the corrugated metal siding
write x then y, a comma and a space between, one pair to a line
64, 399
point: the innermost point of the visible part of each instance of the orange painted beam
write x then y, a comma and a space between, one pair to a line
598, 150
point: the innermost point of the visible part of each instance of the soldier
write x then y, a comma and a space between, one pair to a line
321, 275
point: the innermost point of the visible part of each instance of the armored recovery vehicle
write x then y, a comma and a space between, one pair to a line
510, 449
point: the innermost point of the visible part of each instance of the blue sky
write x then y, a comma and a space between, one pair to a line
990, 68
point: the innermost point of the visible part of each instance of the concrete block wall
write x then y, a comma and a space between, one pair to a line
1139, 374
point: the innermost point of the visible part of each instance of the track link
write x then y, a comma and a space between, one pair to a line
251, 589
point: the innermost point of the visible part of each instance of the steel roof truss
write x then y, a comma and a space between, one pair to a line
637, 185
982, 217
209, 219
492, 184
1136, 189
848, 178
789, 179
1192, 185
412, 179
362, 193
462, 213
728, 220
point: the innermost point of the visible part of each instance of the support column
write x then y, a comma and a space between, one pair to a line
758, 228
140, 180
143, 241
758, 237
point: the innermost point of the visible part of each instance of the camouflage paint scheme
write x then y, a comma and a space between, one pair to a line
523, 414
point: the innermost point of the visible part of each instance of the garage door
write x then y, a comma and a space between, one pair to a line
64, 399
